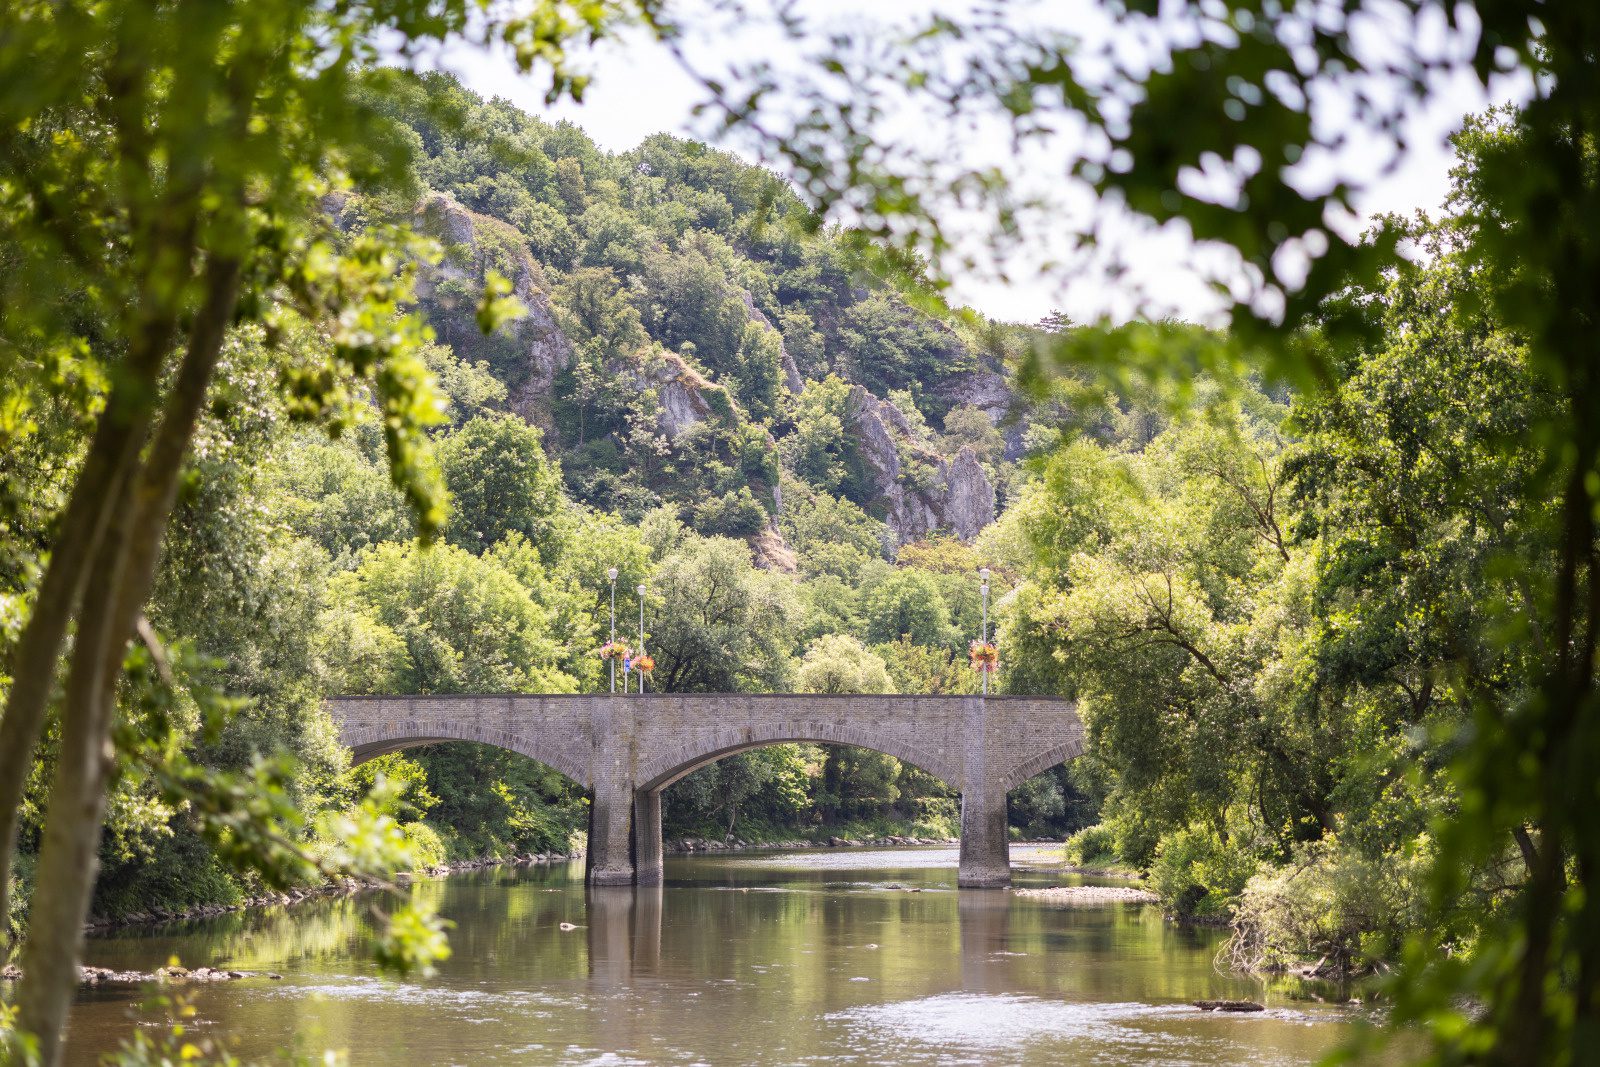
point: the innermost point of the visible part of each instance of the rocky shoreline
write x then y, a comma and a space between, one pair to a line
106, 978
702, 844
1089, 894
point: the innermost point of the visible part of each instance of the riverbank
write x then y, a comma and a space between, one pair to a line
337, 888
702, 844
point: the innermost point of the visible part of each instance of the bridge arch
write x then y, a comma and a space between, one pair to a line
372, 741
1062, 753
678, 761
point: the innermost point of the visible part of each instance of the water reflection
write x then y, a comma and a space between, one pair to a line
845, 957
984, 921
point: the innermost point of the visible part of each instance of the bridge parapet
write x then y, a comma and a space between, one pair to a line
626, 749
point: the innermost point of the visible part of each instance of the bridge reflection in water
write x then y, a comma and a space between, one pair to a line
624, 937
626, 749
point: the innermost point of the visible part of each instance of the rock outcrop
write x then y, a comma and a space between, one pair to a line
951, 493
684, 397
474, 244
990, 392
770, 552
791, 370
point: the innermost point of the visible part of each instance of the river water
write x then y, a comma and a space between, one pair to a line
842, 956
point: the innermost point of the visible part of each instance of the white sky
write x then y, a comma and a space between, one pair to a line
639, 89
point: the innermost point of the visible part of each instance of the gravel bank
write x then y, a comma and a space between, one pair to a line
1090, 894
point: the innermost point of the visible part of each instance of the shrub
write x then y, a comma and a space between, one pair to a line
730, 515
427, 847
1093, 846
1198, 874
1333, 905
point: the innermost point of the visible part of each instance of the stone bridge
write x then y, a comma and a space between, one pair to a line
626, 749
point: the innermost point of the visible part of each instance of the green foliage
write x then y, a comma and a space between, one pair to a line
1198, 873
1333, 906
719, 624
497, 803
734, 514
466, 624
770, 784
818, 451
1092, 846
838, 663
500, 482
906, 603
831, 535
885, 343
927, 669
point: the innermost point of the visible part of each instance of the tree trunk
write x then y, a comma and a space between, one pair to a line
112, 458
118, 589
68, 858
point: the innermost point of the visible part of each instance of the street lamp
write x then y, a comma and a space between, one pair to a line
612, 574
640, 591
983, 573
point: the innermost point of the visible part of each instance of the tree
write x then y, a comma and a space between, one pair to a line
886, 342
500, 481
969, 427
171, 169
838, 663
819, 452
906, 603
831, 535
718, 625
467, 624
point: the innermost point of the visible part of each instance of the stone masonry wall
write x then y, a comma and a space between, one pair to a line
626, 749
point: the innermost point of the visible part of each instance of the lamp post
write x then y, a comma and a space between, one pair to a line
612, 574
641, 632
983, 573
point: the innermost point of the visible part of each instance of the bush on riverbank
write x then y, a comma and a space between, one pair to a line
1093, 846
1332, 911
1197, 873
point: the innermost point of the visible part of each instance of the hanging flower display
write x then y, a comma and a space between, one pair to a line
644, 665
985, 657
614, 650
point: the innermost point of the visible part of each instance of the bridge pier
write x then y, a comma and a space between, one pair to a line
985, 844
610, 836
647, 836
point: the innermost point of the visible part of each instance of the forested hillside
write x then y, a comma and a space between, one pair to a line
1257, 596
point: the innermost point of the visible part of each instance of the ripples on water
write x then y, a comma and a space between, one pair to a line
856, 956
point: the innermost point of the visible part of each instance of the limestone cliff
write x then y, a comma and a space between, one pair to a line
684, 397
919, 490
988, 390
528, 353
916, 490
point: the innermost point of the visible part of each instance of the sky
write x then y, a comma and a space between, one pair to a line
639, 89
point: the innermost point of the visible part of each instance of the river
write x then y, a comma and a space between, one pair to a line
840, 956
